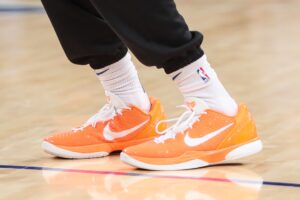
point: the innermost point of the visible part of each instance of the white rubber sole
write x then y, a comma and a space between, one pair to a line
240, 152
59, 152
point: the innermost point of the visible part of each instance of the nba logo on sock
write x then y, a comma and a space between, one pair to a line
203, 74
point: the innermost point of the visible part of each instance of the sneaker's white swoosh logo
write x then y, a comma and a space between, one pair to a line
111, 135
197, 141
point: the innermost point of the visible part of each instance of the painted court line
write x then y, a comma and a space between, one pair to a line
118, 173
21, 9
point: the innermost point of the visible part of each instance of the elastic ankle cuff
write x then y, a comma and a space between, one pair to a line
100, 62
180, 62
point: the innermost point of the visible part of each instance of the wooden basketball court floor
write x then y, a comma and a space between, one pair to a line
254, 45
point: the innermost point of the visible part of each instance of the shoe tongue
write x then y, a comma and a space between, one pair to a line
196, 104
115, 100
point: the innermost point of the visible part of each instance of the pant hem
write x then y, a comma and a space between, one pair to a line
176, 64
105, 60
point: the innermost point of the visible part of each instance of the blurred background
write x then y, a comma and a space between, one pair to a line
254, 45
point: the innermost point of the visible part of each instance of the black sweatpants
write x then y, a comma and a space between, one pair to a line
98, 32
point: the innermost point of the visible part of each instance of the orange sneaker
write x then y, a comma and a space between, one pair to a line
200, 137
115, 127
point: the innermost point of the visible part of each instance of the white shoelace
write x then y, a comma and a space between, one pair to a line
185, 121
106, 112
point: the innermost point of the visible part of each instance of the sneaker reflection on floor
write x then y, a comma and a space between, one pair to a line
219, 182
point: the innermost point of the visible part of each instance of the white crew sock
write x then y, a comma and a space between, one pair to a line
198, 79
121, 79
